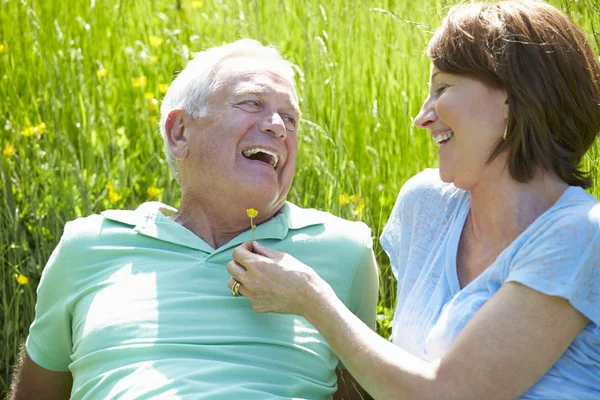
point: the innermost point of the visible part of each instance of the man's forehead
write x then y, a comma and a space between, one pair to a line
257, 80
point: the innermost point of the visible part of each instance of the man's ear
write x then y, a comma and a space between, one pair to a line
176, 134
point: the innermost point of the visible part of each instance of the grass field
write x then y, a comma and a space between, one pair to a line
81, 83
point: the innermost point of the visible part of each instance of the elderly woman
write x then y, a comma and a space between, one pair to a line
497, 254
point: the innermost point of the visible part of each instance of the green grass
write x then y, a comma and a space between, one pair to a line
362, 81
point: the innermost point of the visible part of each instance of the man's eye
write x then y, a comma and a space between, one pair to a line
290, 119
251, 104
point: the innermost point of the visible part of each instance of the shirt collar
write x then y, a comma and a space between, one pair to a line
151, 219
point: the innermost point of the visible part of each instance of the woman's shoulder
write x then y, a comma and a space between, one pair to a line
426, 189
576, 211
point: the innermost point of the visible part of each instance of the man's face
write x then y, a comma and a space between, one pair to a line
244, 151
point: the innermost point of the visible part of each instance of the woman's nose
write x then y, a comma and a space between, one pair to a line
426, 115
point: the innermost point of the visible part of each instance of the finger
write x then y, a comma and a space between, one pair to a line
245, 257
236, 270
231, 281
266, 251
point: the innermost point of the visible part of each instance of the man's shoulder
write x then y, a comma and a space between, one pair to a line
109, 222
327, 224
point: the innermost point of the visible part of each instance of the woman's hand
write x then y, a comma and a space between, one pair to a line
275, 281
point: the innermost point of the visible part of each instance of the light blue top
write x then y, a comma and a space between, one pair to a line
137, 307
558, 254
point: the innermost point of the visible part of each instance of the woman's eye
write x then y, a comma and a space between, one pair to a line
440, 89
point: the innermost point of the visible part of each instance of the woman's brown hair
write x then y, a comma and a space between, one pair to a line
549, 70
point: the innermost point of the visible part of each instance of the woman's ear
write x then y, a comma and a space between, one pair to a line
176, 134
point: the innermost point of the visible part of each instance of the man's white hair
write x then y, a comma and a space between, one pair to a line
192, 88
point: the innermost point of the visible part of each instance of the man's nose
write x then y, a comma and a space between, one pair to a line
427, 114
273, 124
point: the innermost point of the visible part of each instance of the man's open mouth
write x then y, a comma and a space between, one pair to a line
260, 154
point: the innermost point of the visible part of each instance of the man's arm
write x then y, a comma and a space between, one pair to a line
30, 381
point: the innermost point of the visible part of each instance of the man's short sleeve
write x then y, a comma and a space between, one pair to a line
364, 289
49, 343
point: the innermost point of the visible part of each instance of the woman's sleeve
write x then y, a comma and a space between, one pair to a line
49, 343
564, 261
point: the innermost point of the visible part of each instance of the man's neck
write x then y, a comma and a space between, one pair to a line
215, 223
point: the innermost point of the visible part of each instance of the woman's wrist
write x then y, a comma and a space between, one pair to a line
318, 299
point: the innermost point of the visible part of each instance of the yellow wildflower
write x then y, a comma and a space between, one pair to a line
101, 73
197, 4
163, 87
344, 199
21, 279
139, 82
153, 60
153, 105
358, 210
34, 130
252, 213
354, 198
113, 195
2, 48
148, 95
153, 119
27, 131
155, 41
9, 150
153, 191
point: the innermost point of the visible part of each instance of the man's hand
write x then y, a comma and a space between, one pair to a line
30, 381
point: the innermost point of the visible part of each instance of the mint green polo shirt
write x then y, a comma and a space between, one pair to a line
137, 306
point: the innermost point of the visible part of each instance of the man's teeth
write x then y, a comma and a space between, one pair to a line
440, 138
273, 160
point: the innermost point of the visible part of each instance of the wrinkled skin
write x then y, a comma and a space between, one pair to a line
274, 281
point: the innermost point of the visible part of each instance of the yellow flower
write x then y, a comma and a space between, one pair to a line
163, 87
148, 95
21, 279
9, 150
153, 105
354, 198
153, 60
344, 199
358, 210
153, 119
155, 41
34, 130
139, 82
27, 131
2, 48
113, 195
197, 4
252, 213
153, 191
101, 73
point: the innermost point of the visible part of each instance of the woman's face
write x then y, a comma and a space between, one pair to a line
466, 119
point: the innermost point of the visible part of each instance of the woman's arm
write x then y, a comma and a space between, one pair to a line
508, 345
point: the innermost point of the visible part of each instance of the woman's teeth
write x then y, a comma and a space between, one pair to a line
443, 138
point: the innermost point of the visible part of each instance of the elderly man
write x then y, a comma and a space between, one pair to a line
135, 304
